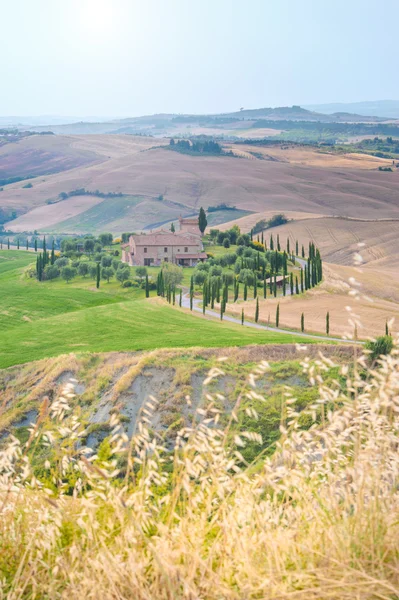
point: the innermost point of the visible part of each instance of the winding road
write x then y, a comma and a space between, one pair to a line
197, 306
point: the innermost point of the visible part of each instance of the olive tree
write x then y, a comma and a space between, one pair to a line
68, 273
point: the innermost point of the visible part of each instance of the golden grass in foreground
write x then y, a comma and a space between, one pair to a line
319, 519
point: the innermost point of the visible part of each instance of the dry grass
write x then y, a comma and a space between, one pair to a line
319, 519
312, 157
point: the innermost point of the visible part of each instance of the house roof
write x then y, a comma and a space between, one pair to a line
165, 238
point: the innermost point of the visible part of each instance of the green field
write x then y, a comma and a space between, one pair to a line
42, 319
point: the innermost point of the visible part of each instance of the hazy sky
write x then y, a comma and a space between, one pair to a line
134, 57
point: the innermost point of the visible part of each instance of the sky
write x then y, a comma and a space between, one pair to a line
125, 58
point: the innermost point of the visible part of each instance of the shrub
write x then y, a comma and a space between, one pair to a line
51, 272
61, 262
106, 261
381, 346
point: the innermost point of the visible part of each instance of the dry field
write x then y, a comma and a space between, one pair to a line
314, 158
338, 238
48, 215
127, 164
43, 154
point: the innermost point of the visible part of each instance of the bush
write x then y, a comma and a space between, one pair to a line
127, 284
51, 272
141, 272
246, 276
106, 260
199, 277
243, 240
61, 262
27, 185
226, 242
381, 346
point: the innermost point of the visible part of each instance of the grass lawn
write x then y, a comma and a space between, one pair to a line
50, 318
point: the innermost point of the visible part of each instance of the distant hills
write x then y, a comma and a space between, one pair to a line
381, 108
370, 112
225, 125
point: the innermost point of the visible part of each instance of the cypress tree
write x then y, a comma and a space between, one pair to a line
278, 315
305, 276
327, 323
180, 297
264, 288
147, 289
173, 295
17, 243
27, 244
302, 322
52, 253
288, 245
192, 284
245, 291
1, 244
301, 280
275, 285
285, 264
202, 221
242, 317
221, 311
98, 276
296, 248
296, 285
278, 243
284, 285
8, 243
204, 298
257, 310
252, 235
386, 328
35, 244
271, 242
236, 290
303, 252
292, 283
262, 239
255, 285
191, 299
44, 245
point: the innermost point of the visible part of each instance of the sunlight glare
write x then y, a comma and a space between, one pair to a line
96, 16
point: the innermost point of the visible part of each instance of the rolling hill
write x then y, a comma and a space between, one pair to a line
157, 185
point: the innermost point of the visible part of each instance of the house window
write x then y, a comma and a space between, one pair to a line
185, 249
145, 250
165, 249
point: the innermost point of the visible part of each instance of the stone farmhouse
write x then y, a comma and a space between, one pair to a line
183, 247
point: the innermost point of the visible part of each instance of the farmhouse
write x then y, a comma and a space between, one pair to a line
182, 248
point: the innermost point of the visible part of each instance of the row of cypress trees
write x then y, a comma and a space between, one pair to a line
18, 244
